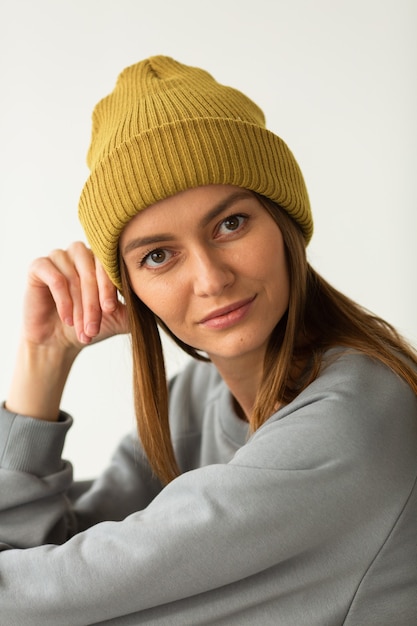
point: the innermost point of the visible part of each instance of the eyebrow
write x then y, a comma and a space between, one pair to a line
140, 242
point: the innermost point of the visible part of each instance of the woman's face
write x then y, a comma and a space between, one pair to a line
210, 263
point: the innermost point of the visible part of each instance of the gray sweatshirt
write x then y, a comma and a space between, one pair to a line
312, 521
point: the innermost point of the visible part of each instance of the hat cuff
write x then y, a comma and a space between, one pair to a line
173, 157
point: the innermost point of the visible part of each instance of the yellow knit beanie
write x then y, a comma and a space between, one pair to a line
168, 127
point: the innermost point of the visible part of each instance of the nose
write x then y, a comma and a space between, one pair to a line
210, 273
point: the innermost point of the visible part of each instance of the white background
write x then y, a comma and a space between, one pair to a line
336, 80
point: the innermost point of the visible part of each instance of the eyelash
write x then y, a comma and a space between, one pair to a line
234, 216
142, 261
240, 216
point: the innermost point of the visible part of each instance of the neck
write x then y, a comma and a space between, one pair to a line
243, 380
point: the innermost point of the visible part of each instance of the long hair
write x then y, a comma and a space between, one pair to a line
318, 317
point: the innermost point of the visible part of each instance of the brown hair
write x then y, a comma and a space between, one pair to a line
318, 317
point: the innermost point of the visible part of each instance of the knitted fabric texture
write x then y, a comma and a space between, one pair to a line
168, 127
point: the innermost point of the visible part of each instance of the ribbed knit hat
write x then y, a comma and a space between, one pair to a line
167, 127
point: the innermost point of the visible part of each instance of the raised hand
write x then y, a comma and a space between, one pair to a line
70, 303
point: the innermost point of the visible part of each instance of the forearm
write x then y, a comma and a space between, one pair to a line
34, 480
38, 381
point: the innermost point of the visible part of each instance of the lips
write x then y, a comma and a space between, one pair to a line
222, 313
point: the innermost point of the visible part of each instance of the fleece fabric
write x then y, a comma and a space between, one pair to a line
311, 521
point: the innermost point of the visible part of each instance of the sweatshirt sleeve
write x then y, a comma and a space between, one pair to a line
40, 503
33, 481
295, 491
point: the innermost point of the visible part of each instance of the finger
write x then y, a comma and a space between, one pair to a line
44, 274
87, 309
64, 262
107, 291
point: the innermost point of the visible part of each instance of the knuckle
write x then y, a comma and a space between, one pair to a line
40, 266
93, 310
58, 282
37, 263
56, 253
78, 247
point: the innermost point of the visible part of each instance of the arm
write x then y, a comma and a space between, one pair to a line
299, 513
69, 304
40, 504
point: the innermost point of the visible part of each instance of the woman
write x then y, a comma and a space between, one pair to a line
274, 481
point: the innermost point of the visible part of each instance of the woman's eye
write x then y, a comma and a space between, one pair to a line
156, 258
231, 223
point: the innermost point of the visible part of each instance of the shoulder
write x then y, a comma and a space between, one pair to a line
362, 383
357, 412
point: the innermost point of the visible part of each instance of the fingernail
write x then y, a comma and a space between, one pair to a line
92, 329
109, 305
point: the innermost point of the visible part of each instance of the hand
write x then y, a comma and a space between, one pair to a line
70, 302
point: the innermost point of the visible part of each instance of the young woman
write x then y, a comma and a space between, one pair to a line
273, 481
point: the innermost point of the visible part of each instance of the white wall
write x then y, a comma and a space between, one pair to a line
336, 79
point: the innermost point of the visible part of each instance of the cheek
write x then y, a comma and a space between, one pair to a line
276, 274
282, 280
162, 298
267, 260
